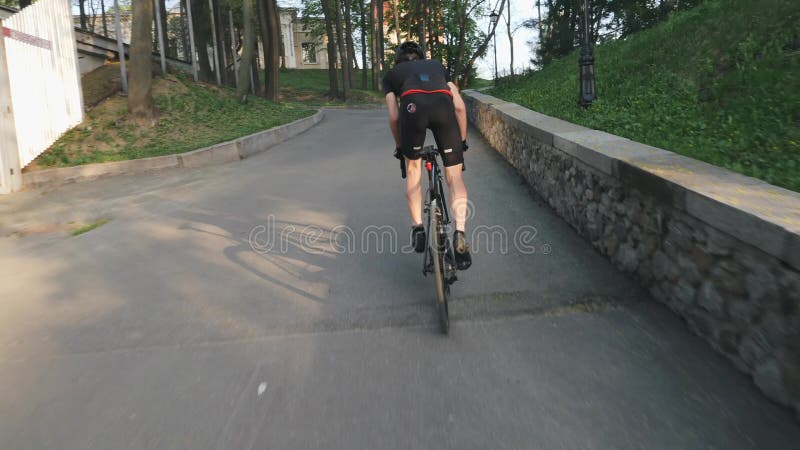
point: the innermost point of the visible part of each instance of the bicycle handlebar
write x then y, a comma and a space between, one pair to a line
399, 155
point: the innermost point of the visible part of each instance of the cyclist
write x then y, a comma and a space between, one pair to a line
428, 100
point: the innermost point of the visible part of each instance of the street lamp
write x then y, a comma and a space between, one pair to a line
586, 62
493, 19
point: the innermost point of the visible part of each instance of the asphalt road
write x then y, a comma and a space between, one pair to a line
271, 304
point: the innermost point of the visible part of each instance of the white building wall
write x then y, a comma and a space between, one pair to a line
41, 62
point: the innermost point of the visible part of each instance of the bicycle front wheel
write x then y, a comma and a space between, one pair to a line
438, 252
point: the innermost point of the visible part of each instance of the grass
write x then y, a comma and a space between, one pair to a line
89, 227
100, 84
478, 83
720, 83
191, 116
311, 86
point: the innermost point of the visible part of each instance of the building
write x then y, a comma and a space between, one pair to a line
302, 49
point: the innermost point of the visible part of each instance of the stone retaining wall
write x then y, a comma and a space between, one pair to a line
718, 248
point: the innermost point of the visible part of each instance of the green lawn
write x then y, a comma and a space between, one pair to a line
191, 116
720, 83
478, 83
311, 86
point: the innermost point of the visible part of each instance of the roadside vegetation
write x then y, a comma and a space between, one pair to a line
719, 82
190, 116
311, 86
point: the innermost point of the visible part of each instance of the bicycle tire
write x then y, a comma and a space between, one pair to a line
442, 288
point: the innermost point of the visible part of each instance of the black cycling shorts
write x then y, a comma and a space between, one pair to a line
420, 112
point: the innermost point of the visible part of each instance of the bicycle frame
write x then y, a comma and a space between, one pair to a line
436, 201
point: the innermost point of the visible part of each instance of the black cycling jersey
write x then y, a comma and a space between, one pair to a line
418, 76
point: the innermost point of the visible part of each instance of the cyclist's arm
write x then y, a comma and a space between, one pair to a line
394, 117
461, 110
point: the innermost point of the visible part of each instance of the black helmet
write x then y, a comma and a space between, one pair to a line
408, 51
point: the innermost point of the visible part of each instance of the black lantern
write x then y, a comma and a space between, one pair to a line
493, 17
586, 62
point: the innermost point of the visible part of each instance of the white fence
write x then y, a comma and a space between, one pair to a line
40, 86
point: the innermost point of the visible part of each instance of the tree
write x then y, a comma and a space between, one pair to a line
560, 30
272, 46
329, 15
510, 37
162, 4
343, 55
351, 49
396, 12
202, 33
140, 97
243, 83
466, 37
219, 52
376, 21
481, 50
81, 12
364, 32
105, 21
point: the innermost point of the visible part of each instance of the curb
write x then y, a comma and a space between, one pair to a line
222, 153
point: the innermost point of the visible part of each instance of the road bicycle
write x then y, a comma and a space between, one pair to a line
438, 258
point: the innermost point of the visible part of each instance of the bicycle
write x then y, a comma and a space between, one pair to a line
438, 257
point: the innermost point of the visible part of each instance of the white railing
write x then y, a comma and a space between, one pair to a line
40, 86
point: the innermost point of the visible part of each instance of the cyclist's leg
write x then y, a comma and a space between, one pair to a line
413, 126
445, 128
448, 138
458, 195
414, 189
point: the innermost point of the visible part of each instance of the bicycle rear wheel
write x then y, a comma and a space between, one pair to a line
438, 252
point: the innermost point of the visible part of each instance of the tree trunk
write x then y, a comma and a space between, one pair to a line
185, 42
363, 4
423, 32
380, 38
510, 37
344, 58
351, 49
333, 79
93, 16
281, 46
539, 13
376, 52
220, 47
263, 25
105, 21
140, 97
396, 22
272, 52
202, 33
24, 3
82, 12
462, 20
243, 84
163, 5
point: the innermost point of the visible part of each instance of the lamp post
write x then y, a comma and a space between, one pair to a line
586, 62
493, 19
